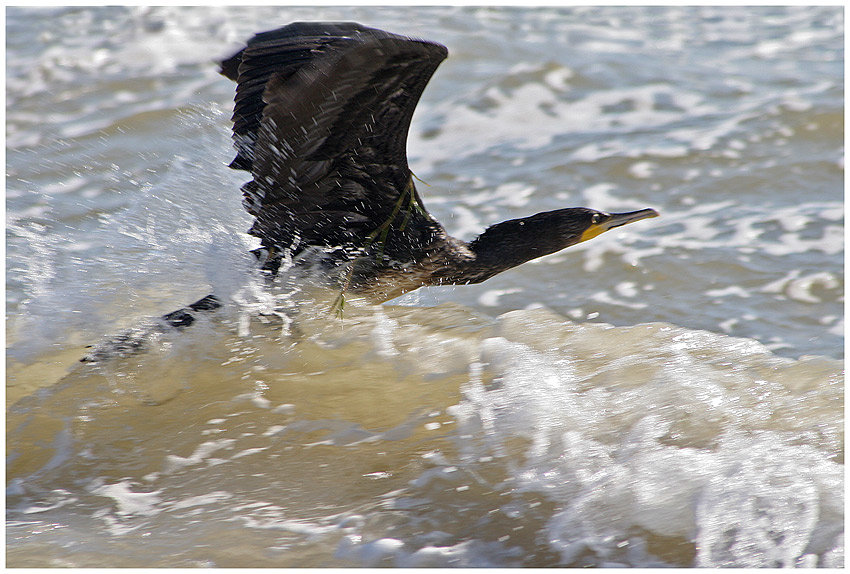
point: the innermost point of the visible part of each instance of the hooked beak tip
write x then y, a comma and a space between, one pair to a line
618, 219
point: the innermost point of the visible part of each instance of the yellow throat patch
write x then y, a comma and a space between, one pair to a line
592, 232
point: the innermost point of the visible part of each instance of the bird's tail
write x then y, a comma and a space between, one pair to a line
136, 339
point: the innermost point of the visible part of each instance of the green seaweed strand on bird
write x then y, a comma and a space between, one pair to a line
381, 234
383, 230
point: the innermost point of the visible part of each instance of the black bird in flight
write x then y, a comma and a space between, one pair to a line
321, 116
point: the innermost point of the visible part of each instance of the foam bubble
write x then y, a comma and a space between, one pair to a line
128, 500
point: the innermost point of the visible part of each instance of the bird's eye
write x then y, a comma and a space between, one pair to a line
596, 218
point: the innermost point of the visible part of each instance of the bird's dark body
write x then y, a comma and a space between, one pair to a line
320, 122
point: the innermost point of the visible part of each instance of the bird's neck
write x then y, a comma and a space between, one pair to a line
509, 244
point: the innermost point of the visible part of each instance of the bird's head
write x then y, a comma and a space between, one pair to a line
516, 241
588, 223
552, 231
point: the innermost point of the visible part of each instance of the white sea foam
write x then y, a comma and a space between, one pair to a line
752, 500
491, 298
129, 501
540, 107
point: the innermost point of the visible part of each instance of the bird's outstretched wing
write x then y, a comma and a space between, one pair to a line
321, 116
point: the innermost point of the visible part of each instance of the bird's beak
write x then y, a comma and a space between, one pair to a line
617, 220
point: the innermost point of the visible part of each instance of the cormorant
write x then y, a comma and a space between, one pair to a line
320, 121
321, 116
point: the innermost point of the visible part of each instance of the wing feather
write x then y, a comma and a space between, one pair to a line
321, 120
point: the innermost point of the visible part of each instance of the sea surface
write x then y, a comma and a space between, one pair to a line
667, 394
